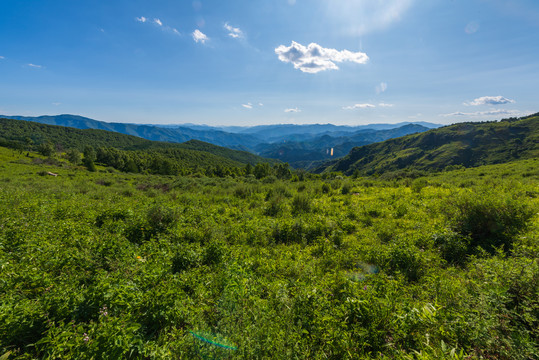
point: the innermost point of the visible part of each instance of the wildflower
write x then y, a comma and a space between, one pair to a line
365, 287
86, 338
103, 311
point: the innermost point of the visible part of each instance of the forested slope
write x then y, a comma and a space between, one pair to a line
465, 144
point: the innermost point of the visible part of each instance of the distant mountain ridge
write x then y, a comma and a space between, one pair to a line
28, 132
467, 144
333, 145
299, 145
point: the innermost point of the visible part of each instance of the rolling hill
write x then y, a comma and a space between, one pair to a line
467, 144
25, 134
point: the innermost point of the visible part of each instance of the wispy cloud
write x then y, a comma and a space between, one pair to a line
157, 22
294, 110
56, 103
359, 106
233, 31
471, 28
314, 58
380, 88
483, 113
1, 57
490, 100
35, 66
385, 105
247, 106
199, 36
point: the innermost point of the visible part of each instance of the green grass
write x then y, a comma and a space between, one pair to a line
109, 265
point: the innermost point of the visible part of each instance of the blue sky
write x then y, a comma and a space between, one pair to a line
257, 62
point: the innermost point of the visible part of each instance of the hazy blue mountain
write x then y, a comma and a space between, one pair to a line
149, 132
300, 145
327, 146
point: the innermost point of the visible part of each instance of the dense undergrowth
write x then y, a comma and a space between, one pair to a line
109, 265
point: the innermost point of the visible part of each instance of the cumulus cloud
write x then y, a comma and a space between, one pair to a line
294, 110
359, 106
158, 22
483, 113
490, 100
35, 66
314, 58
199, 36
141, 19
233, 32
380, 88
247, 106
385, 105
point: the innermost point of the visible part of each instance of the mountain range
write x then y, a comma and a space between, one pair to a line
300, 145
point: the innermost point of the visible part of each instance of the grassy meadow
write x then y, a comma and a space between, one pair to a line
110, 265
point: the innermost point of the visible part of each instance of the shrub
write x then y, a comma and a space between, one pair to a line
213, 253
418, 184
326, 188
489, 221
185, 259
453, 247
301, 204
346, 188
161, 218
275, 207
243, 191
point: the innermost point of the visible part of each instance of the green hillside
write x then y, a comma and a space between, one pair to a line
126, 152
465, 144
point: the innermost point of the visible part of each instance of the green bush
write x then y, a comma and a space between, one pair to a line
490, 220
185, 259
161, 218
453, 247
301, 203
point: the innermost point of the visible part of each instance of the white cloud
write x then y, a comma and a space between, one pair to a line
1, 57
359, 106
471, 28
359, 17
247, 106
233, 32
490, 100
35, 66
294, 110
483, 113
385, 105
314, 58
158, 22
381, 87
141, 19
175, 31
56, 103
199, 36
260, 104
